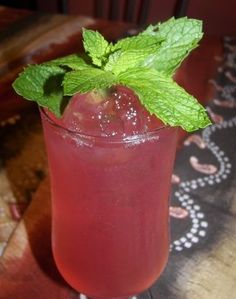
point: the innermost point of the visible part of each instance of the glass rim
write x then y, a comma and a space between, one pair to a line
108, 139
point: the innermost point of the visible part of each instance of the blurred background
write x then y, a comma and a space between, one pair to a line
218, 16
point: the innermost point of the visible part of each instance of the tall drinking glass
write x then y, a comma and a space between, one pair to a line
110, 200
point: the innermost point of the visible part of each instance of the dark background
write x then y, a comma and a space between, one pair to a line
219, 16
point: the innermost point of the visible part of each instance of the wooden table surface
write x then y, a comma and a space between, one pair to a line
202, 262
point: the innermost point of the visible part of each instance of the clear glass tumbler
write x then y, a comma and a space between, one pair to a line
110, 204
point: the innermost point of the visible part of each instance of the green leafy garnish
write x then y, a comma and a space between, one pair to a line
87, 80
121, 60
158, 92
96, 46
74, 62
145, 63
139, 42
42, 84
180, 37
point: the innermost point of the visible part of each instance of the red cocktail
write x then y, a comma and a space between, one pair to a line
110, 194
111, 159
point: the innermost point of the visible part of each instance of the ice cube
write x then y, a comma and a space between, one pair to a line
116, 112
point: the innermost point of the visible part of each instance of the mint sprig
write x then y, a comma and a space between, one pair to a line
139, 42
123, 60
180, 36
42, 84
158, 93
96, 46
86, 80
73, 62
145, 63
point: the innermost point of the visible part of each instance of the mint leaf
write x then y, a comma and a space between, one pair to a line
182, 31
73, 61
164, 98
150, 30
131, 52
139, 42
87, 80
122, 60
180, 36
163, 46
43, 84
96, 46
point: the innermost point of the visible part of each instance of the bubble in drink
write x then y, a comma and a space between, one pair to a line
117, 112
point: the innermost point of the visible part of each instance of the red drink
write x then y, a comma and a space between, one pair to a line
110, 196
110, 160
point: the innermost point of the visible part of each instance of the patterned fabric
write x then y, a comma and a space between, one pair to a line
203, 199
204, 167
23, 165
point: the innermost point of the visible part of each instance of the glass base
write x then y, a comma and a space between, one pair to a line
82, 296
112, 298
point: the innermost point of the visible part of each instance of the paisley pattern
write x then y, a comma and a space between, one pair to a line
197, 139
219, 167
178, 212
